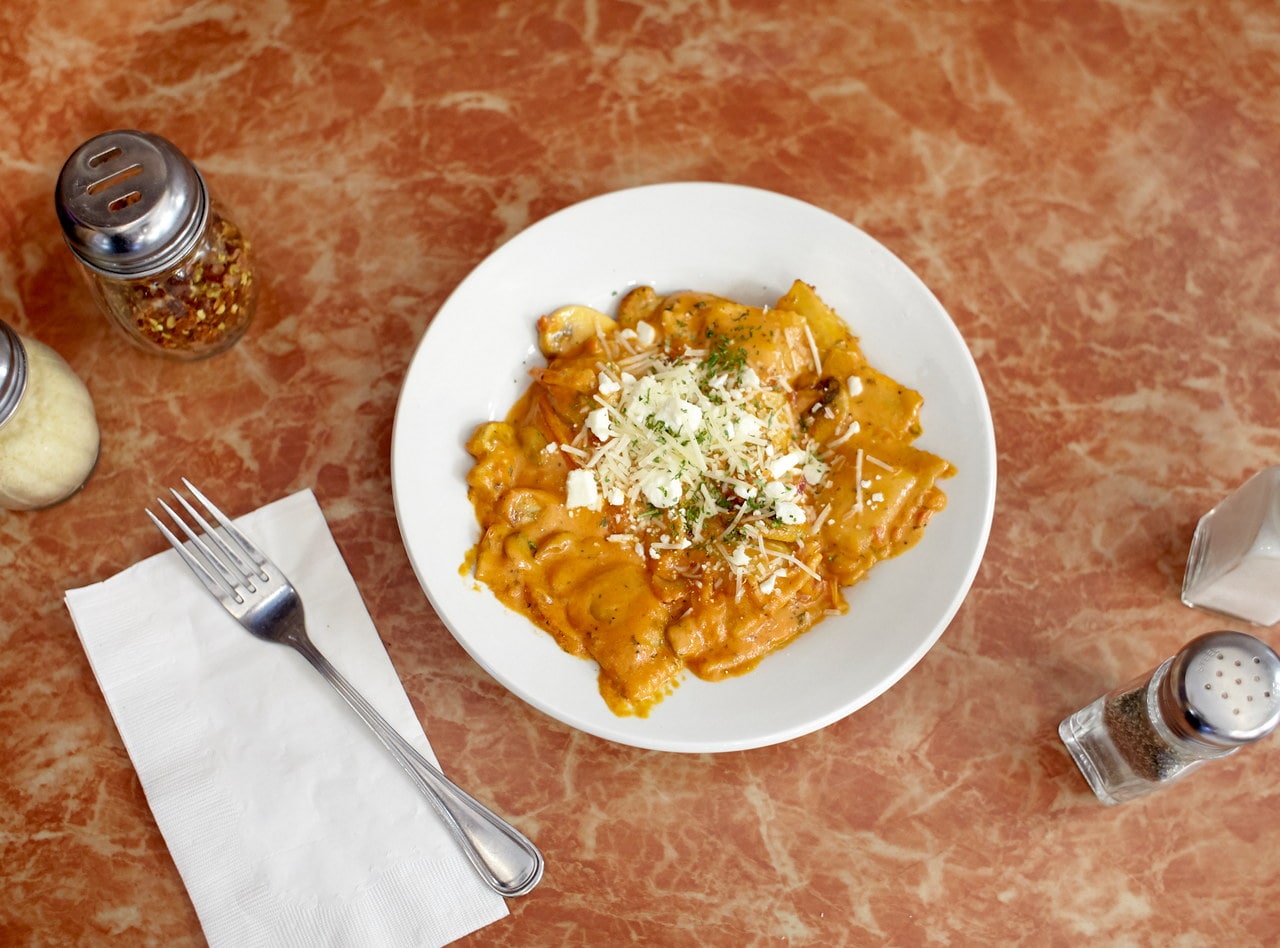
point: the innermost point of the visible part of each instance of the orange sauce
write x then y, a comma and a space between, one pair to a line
681, 556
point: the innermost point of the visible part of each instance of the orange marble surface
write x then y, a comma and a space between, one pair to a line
1089, 187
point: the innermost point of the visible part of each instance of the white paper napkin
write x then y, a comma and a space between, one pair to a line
289, 822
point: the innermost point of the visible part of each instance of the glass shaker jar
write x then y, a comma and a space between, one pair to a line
1234, 563
1220, 692
48, 430
160, 257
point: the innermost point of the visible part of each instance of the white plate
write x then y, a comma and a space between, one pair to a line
748, 245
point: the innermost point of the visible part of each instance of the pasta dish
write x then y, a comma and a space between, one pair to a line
688, 485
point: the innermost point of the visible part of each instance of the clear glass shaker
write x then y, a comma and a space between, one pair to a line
1220, 692
48, 430
1234, 563
160, 257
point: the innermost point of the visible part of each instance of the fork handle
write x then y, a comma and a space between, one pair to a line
507, 861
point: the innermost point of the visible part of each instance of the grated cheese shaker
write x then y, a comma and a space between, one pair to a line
160, 257
48, 429
1219, 693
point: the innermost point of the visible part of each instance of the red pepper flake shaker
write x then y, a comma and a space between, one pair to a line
161, 259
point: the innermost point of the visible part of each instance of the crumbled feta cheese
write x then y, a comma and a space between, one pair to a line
787, 462
776, 490
789, 512
646, 335
582, 490
770, 581
606, 385
749, 427
662, 490
640, 399
680, 416
598, 424
814, 471
854, 384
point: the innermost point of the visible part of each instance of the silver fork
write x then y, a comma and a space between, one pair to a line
261, 598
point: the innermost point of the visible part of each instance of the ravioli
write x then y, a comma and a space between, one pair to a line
689, 486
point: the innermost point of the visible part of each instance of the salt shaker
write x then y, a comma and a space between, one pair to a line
1234, 564
1220, 692
48, 430
160, 257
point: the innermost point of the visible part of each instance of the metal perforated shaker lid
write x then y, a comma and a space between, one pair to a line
1222, 689
130, 203
13, 371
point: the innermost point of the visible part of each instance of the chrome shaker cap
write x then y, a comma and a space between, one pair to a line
130, 203
13, 371
1222, 689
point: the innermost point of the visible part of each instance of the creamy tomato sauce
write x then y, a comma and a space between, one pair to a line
689, 485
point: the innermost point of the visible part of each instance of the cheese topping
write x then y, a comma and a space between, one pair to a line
689, 443
582, 490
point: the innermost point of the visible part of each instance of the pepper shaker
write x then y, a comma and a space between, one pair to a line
48, 429
160, 257
1220, 692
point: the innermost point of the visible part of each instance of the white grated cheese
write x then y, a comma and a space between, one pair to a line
813, 348
678, 451
848, 433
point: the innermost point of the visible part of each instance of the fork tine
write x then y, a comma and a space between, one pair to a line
251, 552
233, 574
211, 582
236, 566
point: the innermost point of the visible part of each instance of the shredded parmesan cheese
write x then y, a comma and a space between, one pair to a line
692, 438
813, 349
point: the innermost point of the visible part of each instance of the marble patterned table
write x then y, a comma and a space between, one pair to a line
1089, 188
